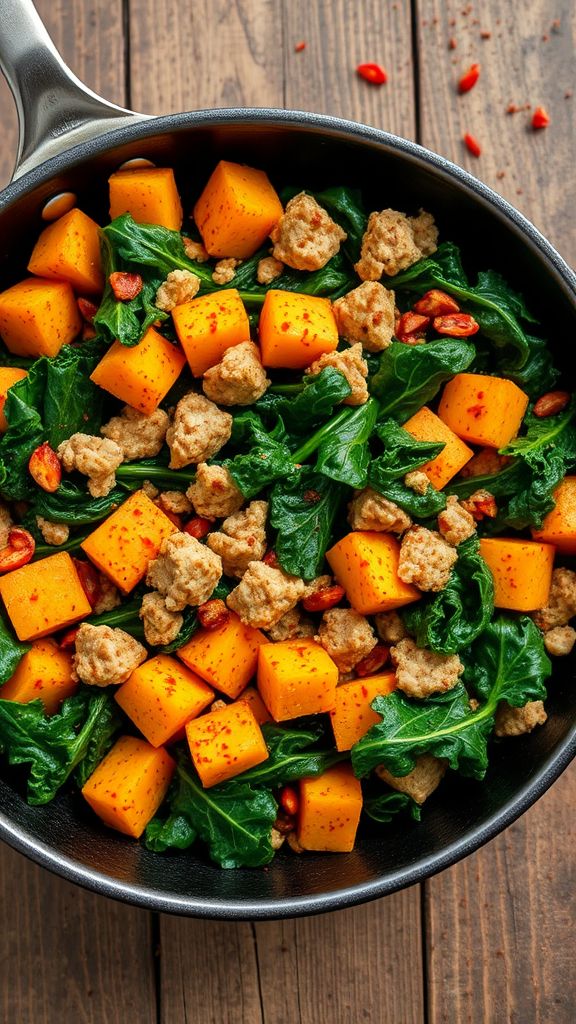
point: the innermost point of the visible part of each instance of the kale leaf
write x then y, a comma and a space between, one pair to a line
303, 509
383, 807
313, 400
508, 662
292, 755
268, 458
341, 445
128, 321
403, 454
11, 651
71, 504
409, 376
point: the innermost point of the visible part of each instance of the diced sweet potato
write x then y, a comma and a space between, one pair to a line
128, 786
296, 677
236, 211
143, 375
44, 672
226, 657
559, 526
352, 715
366, 565
124, 544
522, 571
425, 425
251, 697
44, 596
330, 807
149, 194
161, 696
295, 329
207, 326
483, 410
69, 250
38, 317
226, 742
9, 375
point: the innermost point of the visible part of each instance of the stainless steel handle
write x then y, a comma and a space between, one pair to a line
55, 110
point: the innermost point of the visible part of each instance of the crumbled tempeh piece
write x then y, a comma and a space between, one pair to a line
264, 595
366, 315
195, 250
425, 232
175, 502
421, 781
225, 270
318, 583
160, 625
346, 636
369, 510
517, 721
214, 493
105, 656
306, 237
389, 243
198, 431
352, 366
277, 839
180, 286
455, 523
185, 572
138, 435
560, 640
239, 378
417, 481
242, 538
5, 524
150, 490
95, 457
292, 626
390, 627
561, 605
53, 533
109, 597
269, 268
426, 559
420, 673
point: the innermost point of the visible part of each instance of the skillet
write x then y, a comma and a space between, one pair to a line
71, 140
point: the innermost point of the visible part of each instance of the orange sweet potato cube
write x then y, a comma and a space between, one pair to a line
124, 544
522, 571
148, 194
559, 526
295, 329
330, 807
44, 672
142, 375
224, 743
483, 410
44, 596
161, 696
69, 250
38, 317
366, 565
225, 657
207, 326
9, 375
425, 425
251, 697
352, 715
128, 786
296, 677
236, 211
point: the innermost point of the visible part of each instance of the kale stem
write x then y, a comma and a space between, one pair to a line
286, 389
162, 474
313, 442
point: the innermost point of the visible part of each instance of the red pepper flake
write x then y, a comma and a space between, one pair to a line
485, 35
512, 108
568, 94
540, 118
472, 144
372, 73
469, 78
452, 44
300, 46
285, 326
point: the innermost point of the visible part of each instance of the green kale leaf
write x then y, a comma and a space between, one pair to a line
409, 376
11, 651
303, 510
383, 807
403, 454
292, 755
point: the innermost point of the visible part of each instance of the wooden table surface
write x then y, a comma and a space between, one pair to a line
492, 939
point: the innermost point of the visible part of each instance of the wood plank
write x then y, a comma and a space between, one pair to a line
68, 955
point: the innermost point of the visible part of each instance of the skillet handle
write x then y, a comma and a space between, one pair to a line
55, 110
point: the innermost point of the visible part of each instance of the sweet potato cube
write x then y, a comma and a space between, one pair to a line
483, 410
143, 375
44, 596
296, 677
330, 807
236, 211
9, 375
44, 672
425, 425
366, 565
251, 697
522, 571
128, 786
224, 743
225, 657
161, 696
207, 326
124, 544
38, 316
559, 526
69, 250
295, 329
352, 715
148, 194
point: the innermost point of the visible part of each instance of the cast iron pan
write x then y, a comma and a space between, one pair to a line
72, 140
